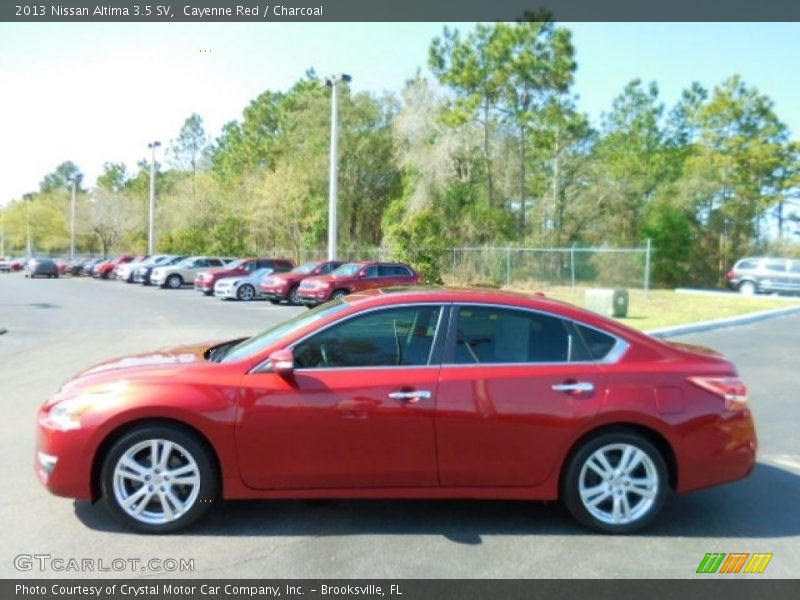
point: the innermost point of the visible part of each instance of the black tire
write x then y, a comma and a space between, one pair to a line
174, 281
338, 294
55, 276
619, 491
207, 490
246, 292
292, 297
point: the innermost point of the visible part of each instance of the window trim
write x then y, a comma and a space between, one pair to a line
614, 355
434, 357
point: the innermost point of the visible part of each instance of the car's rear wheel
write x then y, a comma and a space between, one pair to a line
246, 292
292, 296
616, 482
174, 281
748, 288
158, 479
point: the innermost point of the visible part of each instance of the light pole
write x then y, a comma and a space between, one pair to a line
151, 228
28, 198
74, 181
333, 186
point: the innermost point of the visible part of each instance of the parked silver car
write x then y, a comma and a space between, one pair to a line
246, 287
182, 273
764, 274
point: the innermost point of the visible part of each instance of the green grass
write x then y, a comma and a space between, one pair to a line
665, 308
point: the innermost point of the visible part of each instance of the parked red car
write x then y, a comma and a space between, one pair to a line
205, 280
355, 277
284, 286
104, 270
415, 393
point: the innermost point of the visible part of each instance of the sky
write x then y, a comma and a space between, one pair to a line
98, 92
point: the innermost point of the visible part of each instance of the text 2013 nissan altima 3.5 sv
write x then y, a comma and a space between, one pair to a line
404, 393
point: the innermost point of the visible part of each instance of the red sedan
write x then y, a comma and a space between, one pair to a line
407, 393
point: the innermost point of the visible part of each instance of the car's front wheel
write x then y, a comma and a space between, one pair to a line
294, 299
339, 294
158, 479
174, 281
748, 288
246, 292
615, 483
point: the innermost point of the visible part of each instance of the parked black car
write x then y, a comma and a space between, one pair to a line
765, 274
41, 267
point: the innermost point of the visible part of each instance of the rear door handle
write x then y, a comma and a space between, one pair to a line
410, 396
577, 387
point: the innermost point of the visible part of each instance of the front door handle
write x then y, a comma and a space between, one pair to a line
573, 387
410, 396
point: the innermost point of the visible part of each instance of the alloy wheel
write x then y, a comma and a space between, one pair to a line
156, 481
618, 484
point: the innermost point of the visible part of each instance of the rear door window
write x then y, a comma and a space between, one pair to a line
489, 335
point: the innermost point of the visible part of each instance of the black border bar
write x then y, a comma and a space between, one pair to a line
264, 11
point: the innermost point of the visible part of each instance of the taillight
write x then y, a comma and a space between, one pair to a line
731, 389
731, 275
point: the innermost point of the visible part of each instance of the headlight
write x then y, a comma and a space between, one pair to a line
66, 414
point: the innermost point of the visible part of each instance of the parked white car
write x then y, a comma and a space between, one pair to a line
125, 272
175, 276
246, 287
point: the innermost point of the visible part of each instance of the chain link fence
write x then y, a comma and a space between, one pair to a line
543, 267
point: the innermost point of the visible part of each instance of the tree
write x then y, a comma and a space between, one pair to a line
186, 151
475, 69
540, 65
61, 177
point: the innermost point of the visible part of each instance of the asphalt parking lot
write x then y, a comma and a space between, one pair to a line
58, 327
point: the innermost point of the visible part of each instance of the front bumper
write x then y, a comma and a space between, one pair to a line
227, 293
313, 297
63, 461
207, 287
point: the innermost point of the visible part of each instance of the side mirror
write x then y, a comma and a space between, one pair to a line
282, 361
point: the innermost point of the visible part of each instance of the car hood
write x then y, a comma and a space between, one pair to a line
165, 358
329, 278
217, 271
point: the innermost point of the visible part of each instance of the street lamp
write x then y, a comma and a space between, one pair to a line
74, 181
151, 228
333, 186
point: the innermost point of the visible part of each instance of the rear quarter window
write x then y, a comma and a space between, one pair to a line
597, 343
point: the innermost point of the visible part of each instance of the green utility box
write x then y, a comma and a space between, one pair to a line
611, 303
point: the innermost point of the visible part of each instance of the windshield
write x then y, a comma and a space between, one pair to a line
348, 269
254, 345
235, 263
187, 262
306, 268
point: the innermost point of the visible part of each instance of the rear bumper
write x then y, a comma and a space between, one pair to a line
718, 452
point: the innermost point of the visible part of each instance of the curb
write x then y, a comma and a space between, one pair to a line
730, 294
763, 315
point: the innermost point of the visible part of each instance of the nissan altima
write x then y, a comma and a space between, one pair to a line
404, 393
